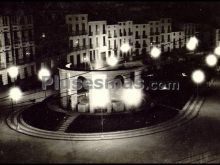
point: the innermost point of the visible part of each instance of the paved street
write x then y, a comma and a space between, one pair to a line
198, 141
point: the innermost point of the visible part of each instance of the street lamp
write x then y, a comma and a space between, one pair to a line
112, 60
44, 75
198, 76
132, 97
192, 43
217, 51
13, 72
155, 52
125, 48
15, 94
211, 60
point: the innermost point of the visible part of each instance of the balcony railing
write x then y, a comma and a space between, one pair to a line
16, 41
137, 37
24, 61
90, 33
2, 66
109, 36
78, 33
157, 33
151, 33
130, 33
90, 46
7, 43
144, 36
115, 35
79, 48
137, 45
97, 32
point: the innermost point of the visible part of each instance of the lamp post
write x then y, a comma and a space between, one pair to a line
15, 94
13, 73
44, 75
125, 48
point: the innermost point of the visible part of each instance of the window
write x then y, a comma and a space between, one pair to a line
151, 30
168, 38
83, 27
151, 39
84, 42
97, 42
90, 55
162, 38
104, 44
77, 27
83, 18
5, 20
76, 18
103, 28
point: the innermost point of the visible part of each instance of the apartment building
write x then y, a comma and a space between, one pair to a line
17, 46
94, 40
217, 37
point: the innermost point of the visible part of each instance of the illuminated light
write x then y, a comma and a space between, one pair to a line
13, 71
217, 51
99, 95
164, 87
43, 35
125, 47
15, 93
192, 43
68, 65
184, 74
198, 76
211, 60
44, 74
112, 60
155, 52
132, 97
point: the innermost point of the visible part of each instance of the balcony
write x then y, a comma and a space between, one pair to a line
24, 40
115, 35
144, 45
2, 66
24, 61
7, 43
137, 45
78, 33
144, 36
79, 48
137, 37
90, 33
157, 33
151, 33
90, 46
109, 36
16, 41
97, 32
130, 33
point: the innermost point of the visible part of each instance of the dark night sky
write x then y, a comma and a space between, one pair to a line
123, 10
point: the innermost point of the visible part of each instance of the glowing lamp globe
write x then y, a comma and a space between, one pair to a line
211, 60
125, 47
132, 97
192, 43
44, 74
155, 52
198, 76
217, 51
112, 60
13, 71
15, 93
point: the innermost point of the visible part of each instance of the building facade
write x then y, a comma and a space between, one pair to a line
17, 46
97, 40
